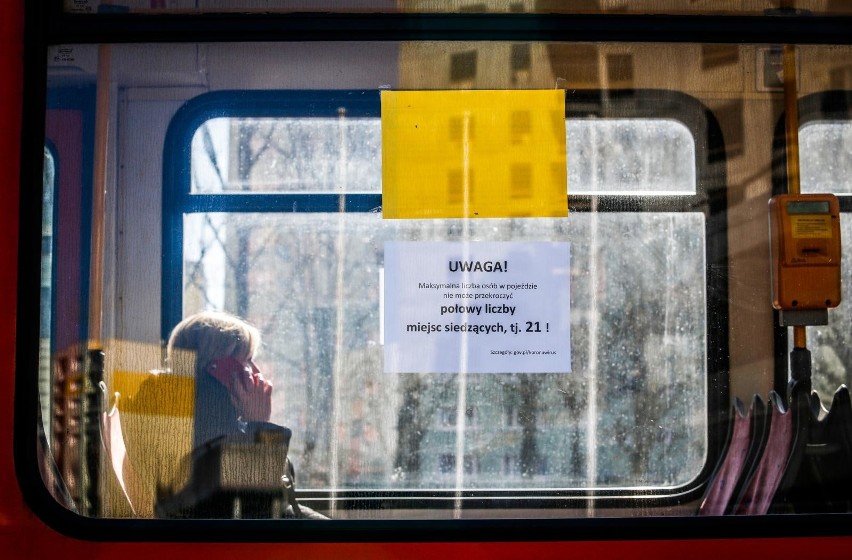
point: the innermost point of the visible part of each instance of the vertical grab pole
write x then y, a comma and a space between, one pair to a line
800, 357
91, 457
791, 120
96, 275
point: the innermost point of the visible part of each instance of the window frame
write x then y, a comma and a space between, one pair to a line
709, 199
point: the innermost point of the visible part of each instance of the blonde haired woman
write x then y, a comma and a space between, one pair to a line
219, 350
211, 388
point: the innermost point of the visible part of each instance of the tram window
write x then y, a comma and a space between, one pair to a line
47, 221
826, 156
643, 156
309, 280
826, 165
287, 155
290, 292
304, 155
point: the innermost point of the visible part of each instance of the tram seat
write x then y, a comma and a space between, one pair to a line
156, 425
744, 446
150, 434
818, 478
761, 486
67, 421
243, 475
799, 458
78, 420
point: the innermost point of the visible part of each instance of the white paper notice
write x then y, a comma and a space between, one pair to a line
477, 307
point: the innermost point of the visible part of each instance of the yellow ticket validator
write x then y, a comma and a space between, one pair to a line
805, 241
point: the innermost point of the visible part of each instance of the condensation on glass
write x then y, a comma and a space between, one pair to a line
632, 413
605, 156
825, 155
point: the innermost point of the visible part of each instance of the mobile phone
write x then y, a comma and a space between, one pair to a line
227, 371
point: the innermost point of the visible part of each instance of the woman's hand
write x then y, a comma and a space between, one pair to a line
252, 396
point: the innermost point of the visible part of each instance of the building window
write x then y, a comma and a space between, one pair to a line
448, 416
447, 463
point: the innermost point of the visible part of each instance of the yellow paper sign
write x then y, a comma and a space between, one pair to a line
473, 154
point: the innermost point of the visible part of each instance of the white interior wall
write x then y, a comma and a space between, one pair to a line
153, 82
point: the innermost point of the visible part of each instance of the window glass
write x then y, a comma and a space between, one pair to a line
49, 186
825, 149
245, 174
287, 155
312, 283
612, 156
630, 156
826, 164
831, 353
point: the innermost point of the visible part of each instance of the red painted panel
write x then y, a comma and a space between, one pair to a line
64, 129
11, 98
